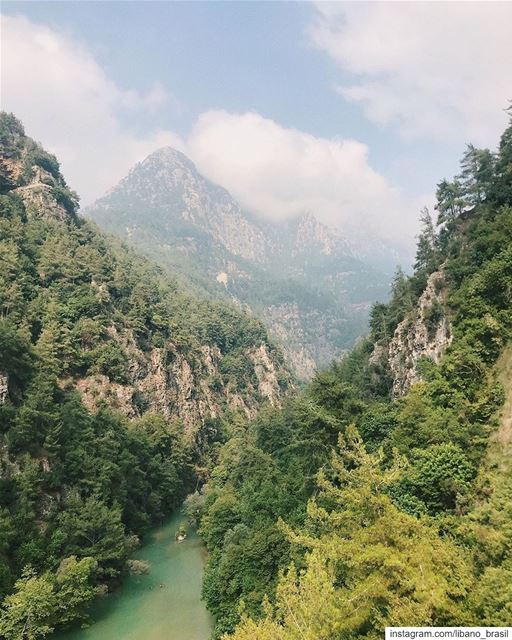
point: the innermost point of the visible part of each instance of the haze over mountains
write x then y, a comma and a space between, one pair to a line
305, 281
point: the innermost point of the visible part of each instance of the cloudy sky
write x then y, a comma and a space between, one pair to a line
350, 110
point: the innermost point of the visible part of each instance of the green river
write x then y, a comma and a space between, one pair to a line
163, 604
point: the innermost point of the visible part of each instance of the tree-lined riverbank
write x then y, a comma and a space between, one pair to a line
164, 604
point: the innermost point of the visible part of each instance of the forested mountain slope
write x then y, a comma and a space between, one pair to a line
114, 389
383, 494
302, 279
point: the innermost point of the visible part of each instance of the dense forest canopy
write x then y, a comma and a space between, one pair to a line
354, 507
79, 485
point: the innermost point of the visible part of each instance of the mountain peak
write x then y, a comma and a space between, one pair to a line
164, 178
300, 277
182, 204
164, 164
169, 156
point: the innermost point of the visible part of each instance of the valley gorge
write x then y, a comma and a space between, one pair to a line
204, 395
116, 388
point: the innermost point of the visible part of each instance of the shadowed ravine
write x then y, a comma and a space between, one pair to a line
142, 609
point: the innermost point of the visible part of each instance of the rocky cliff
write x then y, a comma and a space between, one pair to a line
164, 381
32, 174
424, 332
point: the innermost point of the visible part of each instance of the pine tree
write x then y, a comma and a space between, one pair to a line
477, 173
502, 187
426, 247
450, 202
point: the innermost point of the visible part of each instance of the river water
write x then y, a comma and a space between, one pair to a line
163, 604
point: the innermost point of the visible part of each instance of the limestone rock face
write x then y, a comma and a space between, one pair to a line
4, 387
33, 174
40, 201
310, 234
426, 333
296, 328
164, 381
268, 385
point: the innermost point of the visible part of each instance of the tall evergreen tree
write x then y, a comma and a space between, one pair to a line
426, 246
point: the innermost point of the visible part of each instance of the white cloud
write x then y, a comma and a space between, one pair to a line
65, 100
432, 68
278, 173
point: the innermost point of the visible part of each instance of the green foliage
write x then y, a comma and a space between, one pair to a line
40, 603
30, 611
193, 508
438, 478
236, 368
411, 522
75, 588
432, 317
12, 137
385, 318
377, 424
88, 527
16, 354
501, 188
491, 602
367, 566
45, 160
265, 472
79, 488
11, 130
450, 201
67, 198
109, 359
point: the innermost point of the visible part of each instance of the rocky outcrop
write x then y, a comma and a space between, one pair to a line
284, 321
98, 389
268, 385
425, 333
311, 235
179, 380
306, 336
192, 390
4, 387
40, 201
33, 174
